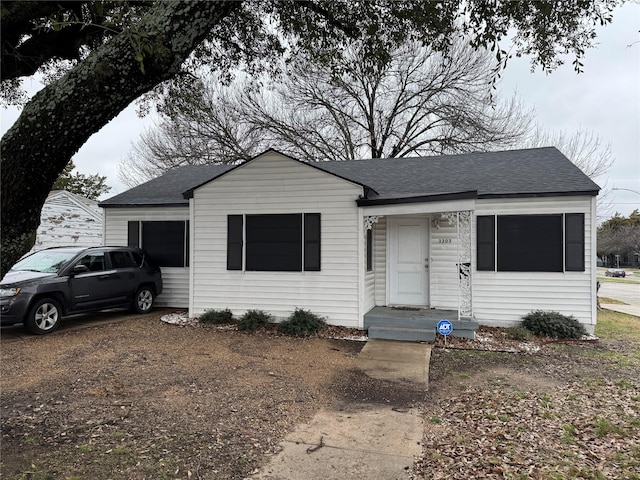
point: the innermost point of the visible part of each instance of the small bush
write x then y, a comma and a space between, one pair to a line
217, 317
253, 320
519, 333
302, 323
553, 324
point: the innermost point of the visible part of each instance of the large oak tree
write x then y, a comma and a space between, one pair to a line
420, 102
102, 55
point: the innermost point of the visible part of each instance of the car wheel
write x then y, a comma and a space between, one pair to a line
143, 301
43, 317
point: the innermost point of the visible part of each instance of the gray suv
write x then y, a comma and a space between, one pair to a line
45, 286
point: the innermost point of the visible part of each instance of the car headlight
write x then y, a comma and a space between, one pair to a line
9, 292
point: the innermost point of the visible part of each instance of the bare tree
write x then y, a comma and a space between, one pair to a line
421, 102
107, 54
587, 151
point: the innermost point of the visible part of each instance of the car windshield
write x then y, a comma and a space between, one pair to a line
45, 261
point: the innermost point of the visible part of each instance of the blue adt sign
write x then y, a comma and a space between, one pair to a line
444, 327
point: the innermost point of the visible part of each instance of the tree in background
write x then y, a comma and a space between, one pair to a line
420, 102
586, 150
102, 55
88, 186
620, 236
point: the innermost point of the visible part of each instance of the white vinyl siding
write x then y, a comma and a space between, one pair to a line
380, 260
502, 298
370, 276
443, 269
276, 184
175, 280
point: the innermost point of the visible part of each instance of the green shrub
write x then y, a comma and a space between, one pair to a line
553, 324
519, 333
302, 323
217, 316
253, 320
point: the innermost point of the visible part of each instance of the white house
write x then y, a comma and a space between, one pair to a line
68, 219
384, 244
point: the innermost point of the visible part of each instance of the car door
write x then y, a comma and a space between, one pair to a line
94, 287
125, 272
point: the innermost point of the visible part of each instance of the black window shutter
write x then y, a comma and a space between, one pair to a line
486, 242
369, 250
574, 242
133, 234
312, 242
186, 243
234, 242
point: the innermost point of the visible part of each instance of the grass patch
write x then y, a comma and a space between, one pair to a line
604, 427
85, 448
610, 301
519, 333
569, 435
616, 280
615, 325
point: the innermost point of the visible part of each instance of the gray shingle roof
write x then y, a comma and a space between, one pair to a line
537, 171
508, 173
167, 189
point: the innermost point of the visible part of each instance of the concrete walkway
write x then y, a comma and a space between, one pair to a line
366, 441
628, 309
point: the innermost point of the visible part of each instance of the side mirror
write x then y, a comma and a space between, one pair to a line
79, 269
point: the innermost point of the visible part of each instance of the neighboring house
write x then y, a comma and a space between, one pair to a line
482, 237
68, 219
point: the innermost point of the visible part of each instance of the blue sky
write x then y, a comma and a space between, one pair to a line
604, 99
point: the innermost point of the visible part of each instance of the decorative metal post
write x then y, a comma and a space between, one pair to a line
462, 220
369, 221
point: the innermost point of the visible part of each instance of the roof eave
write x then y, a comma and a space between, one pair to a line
142, 205
585, 193
439, 197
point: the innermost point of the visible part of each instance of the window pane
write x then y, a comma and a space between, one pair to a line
93, 261
274, 242
121, 260
165, 242
530, 243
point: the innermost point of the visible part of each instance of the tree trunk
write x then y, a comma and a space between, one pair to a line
62, 116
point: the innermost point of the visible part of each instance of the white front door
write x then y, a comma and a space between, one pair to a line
408, 261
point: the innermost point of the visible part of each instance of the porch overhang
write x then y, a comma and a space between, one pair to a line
465, 201
436, 197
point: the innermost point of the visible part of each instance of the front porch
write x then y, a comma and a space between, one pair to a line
414, 324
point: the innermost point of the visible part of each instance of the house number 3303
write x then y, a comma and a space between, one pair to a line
444, 240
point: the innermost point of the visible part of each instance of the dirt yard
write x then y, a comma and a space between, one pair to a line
142, 399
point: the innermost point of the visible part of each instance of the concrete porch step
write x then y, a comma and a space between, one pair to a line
414, 325
402, 334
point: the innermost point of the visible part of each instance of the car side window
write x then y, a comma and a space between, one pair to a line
121, 259
93, 261
137, 258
